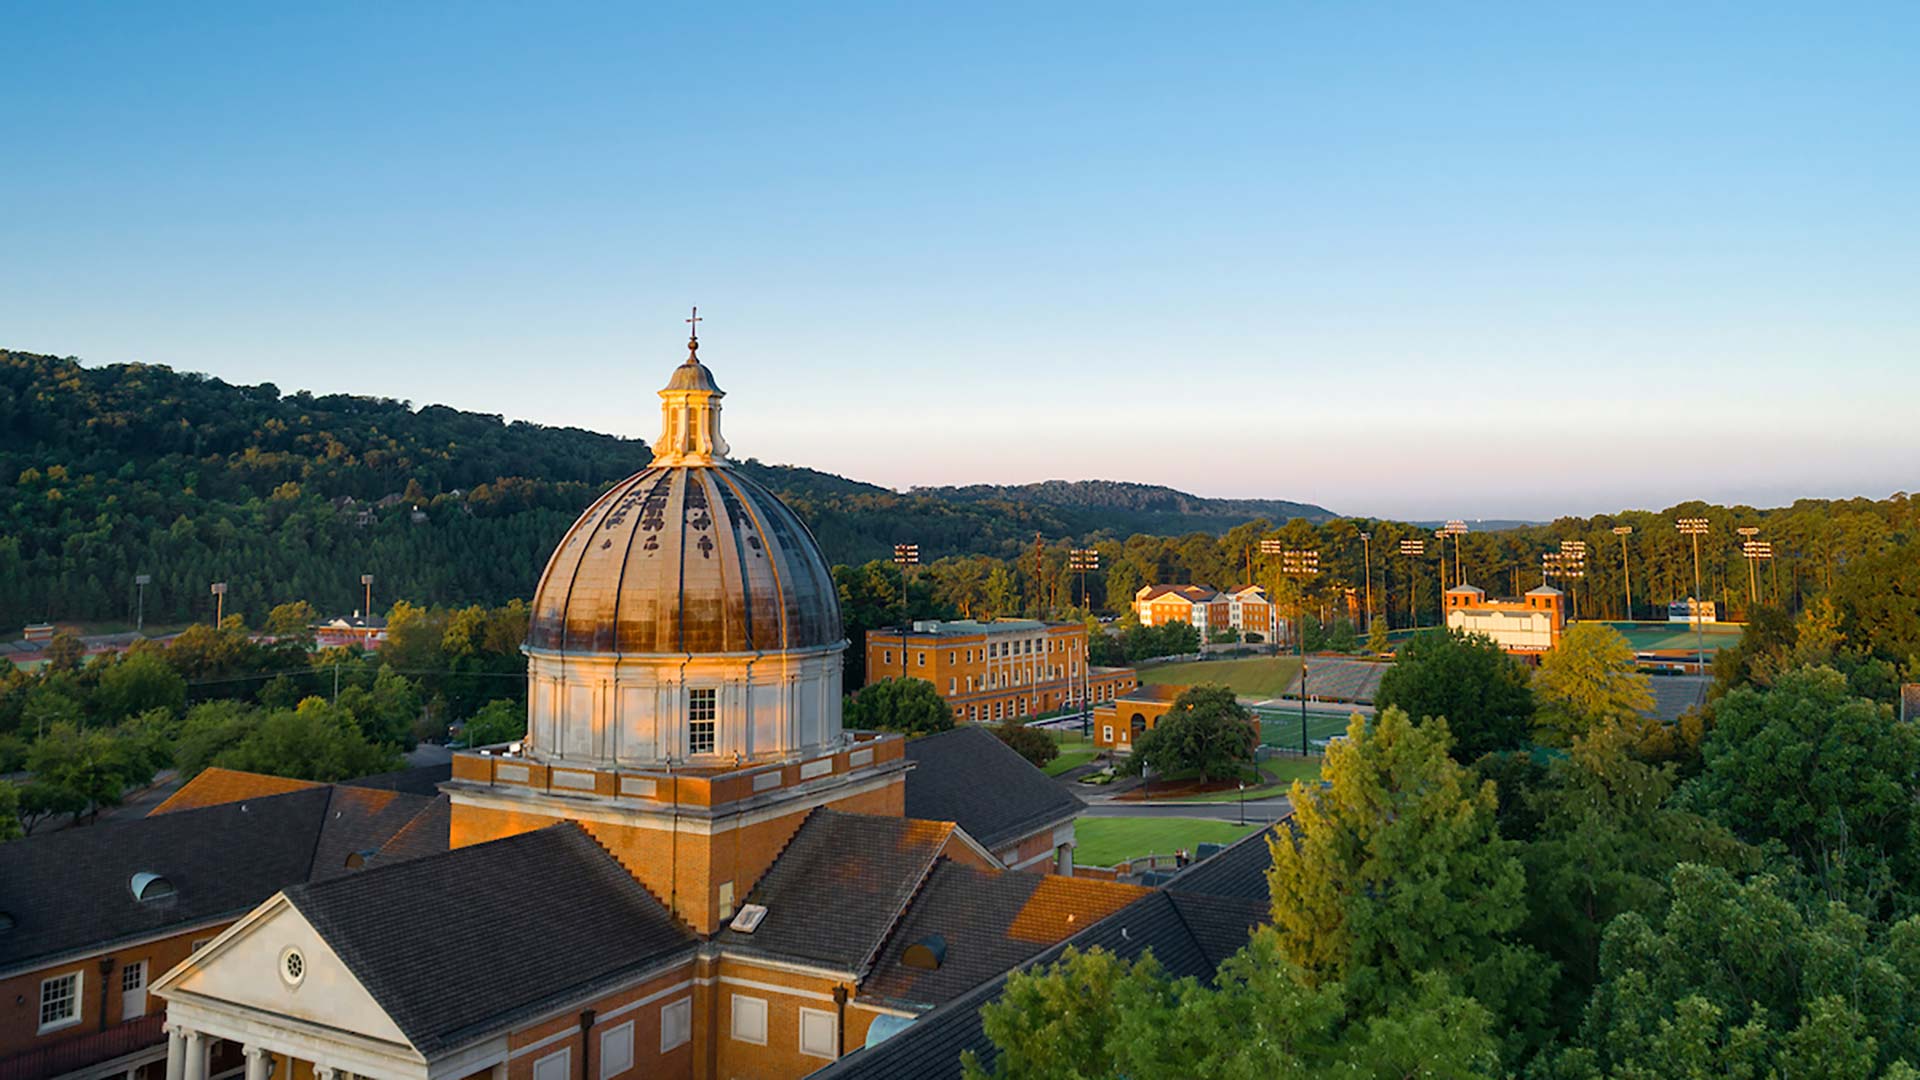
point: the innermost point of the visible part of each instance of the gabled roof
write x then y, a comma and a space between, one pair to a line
1193, 594
837, 889
1186, 935
215, 785
567, 917
70, 891
988, 922
971, 778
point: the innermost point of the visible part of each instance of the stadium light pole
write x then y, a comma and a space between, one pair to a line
366, 582
1301, 564
1083, 560
905, 555
141, 581
219, 603
1696, 528
1414, 548
1574, 555
1755, 550
1457, 529
1366, 560
1747, 533
1624, 531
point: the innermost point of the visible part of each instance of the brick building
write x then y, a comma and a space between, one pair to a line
1121, 722
1008, 669
1245, 609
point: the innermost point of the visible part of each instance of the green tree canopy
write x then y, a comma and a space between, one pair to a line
1397, 868
1465, 678
1831, 776
1588, 680
908, 705
1207, 730
499, 721
138, 681
313, 742
1031, 743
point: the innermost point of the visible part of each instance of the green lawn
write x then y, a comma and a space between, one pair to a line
1105, 841
1069, 758
1647, 637
1261, 677
1287, 770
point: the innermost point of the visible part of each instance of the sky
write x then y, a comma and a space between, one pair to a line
1417, 260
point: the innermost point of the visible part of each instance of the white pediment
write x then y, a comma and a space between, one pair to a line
243, 968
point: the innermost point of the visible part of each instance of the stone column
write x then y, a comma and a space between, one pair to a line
325, 1072
257, 1063
196, 1056
176, 1053
499, 1072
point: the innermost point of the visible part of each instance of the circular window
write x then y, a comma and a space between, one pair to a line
293, 967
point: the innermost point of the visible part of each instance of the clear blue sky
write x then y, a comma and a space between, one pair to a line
1414, 260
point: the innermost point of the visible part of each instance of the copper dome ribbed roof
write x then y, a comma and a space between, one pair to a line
686, 560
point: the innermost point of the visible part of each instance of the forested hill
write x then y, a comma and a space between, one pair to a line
1118, 506
107, 472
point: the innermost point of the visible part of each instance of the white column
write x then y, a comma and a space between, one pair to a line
324, 1072
176, 1053
499, 1072
256, 1063
196, 1056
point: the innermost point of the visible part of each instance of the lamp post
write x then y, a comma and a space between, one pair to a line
905, 555
1300, 564
1624, 531
1574, 554
1083, 560
1366, 559
1414, 549
1243, 802
1696, 528
141, 581
219, 603
366, 582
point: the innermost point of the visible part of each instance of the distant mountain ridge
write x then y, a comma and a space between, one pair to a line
1102, 504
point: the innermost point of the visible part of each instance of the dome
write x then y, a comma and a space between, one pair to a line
686, 559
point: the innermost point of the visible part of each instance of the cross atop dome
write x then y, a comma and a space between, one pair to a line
693, 335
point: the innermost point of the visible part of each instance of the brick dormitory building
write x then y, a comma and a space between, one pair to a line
1006, 669
687, 869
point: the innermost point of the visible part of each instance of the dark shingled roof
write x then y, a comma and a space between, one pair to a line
990, 922
71, 890
1185, 935
834, 892
418, 780
569, 919
1239, 870
969, 777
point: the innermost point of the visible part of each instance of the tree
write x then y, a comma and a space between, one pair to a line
313, 742
1093, 1014
499, 721
1206, 730
905, 704
137, 682
10, 828
64, 652
1831, 776
1378, 641
1466, 679
1735, 978
293, 620
1587, 680
211, 727
1031, 743
384, 711
1396, 868
92, 767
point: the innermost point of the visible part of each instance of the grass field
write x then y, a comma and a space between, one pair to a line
1105, 841
1645, 637
1280, 726
1287, 770
1261, 677
1075, 750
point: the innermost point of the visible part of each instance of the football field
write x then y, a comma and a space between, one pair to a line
1280, 726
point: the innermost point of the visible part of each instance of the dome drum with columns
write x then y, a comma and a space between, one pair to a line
688, 617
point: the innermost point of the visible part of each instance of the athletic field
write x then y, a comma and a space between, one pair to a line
1280, 726
1259, 677
1661, 637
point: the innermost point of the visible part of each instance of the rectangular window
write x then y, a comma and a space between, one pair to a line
676, 1023
1106, 733
953, 684
819, 1034
750, 1019
920, 659
950, 656
886, 656
702, 710
60, 1001
554, 1066
616, 1051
